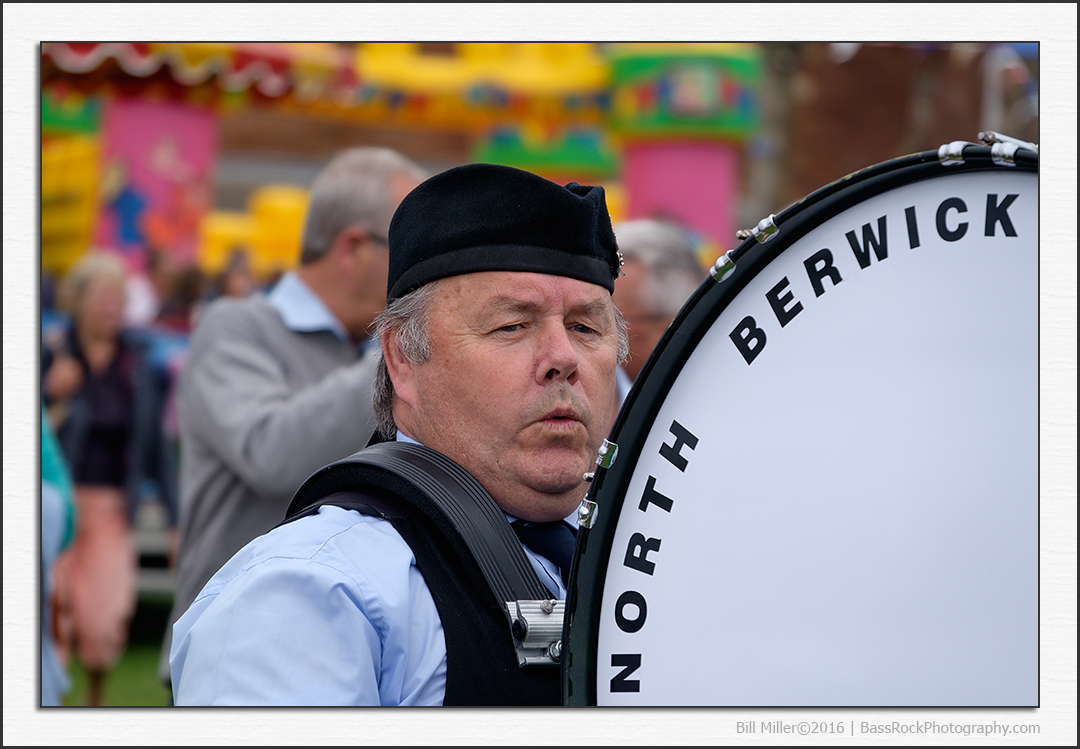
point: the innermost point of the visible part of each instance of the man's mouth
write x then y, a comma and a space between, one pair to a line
560, 418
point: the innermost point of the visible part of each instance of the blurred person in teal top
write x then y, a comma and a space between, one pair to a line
57, 532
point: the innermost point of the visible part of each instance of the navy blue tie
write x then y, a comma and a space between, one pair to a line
555, 541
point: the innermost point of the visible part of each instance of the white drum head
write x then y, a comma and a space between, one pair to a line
829, 495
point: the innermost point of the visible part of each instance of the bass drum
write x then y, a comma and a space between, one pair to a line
825, 485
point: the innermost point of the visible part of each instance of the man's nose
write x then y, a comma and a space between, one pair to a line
558, 359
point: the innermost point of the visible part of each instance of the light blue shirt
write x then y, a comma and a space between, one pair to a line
301, 309
326, 610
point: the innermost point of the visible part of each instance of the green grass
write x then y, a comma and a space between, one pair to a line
134, 682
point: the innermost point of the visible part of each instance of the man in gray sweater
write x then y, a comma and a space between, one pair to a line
276, 386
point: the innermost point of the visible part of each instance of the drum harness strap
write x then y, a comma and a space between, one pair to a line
391, 479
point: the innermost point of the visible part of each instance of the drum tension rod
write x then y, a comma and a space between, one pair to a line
1003, 148
765, 230
990, 137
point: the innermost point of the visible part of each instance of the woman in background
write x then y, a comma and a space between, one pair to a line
105, 404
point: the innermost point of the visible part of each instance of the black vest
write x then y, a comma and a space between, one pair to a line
396, 481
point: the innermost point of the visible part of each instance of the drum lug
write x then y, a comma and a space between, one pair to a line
1003, 154
586, 512
722, 267
605, 456
952, 154
763, 232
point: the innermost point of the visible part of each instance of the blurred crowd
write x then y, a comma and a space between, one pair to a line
271, 387
113, 345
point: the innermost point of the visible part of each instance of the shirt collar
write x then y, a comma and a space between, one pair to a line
301, 309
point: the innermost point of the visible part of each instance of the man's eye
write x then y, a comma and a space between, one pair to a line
582, 328
511, 328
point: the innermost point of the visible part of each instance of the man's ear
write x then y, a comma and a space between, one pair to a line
402, 372
346, 248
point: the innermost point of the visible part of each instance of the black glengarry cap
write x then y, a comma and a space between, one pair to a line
485, 217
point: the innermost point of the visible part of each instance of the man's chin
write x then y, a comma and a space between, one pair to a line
569, 483
559, 465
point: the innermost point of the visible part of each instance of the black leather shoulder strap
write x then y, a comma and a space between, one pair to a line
393, 478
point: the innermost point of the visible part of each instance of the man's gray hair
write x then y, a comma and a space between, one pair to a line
406, 318
674, 270
355, 189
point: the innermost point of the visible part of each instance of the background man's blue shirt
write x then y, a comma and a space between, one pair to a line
301, 309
